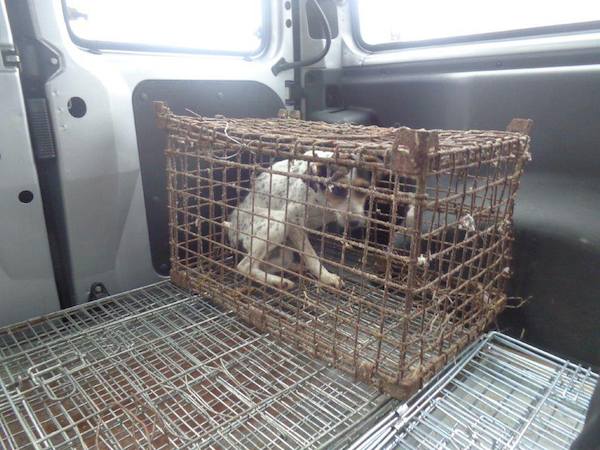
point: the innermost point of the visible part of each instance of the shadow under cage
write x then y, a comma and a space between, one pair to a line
383, 251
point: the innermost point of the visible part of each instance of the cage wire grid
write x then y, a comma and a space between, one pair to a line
414, 292
501, 394
160, 368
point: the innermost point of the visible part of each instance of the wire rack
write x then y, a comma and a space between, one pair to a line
502, 394
160, 368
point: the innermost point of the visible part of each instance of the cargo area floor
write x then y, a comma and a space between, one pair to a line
160, 368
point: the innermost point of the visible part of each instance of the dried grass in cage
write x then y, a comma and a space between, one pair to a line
381, 250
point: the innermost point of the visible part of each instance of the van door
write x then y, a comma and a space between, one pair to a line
108, 61
27, 286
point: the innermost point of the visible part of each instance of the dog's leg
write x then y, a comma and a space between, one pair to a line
281, 258
409, 221
300, 240
260, 275
251, 267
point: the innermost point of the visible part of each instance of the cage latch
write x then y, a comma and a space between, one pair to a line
10, 58
296, 92
55, 376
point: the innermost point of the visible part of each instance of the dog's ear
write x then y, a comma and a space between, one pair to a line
370, 174
319, 169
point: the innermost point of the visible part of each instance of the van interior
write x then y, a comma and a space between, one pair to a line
101, 348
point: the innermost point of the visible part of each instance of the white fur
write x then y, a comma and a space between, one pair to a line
260, 213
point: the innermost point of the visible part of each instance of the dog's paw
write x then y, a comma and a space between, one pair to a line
332, 280
287, 284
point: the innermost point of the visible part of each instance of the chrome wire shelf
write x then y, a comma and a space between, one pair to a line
160, 368
501, 394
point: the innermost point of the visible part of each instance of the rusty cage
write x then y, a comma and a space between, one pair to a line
383, 251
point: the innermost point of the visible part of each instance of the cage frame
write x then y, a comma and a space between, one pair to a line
405, 152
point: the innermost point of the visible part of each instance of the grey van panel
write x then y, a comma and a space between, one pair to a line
557, 216
27, 286
98, 167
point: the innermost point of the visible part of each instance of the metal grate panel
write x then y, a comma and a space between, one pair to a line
160, 368
503, 394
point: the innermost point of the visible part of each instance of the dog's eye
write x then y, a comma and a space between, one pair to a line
364, 174
339, 191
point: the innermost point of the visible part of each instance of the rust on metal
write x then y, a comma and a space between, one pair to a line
383, 251
409, 153
522, 126
161, 111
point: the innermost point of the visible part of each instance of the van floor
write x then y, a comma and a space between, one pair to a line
158, 367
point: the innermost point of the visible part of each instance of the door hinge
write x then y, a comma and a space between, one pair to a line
296, 93
10, 58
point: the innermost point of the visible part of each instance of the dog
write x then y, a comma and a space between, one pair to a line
262, 222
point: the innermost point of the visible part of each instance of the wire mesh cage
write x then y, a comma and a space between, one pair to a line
383, 251
501, 394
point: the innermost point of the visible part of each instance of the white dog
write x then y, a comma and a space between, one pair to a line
262, 222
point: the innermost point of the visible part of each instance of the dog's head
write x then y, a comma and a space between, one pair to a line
342, 189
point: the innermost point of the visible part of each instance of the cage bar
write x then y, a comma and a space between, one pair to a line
383, 251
